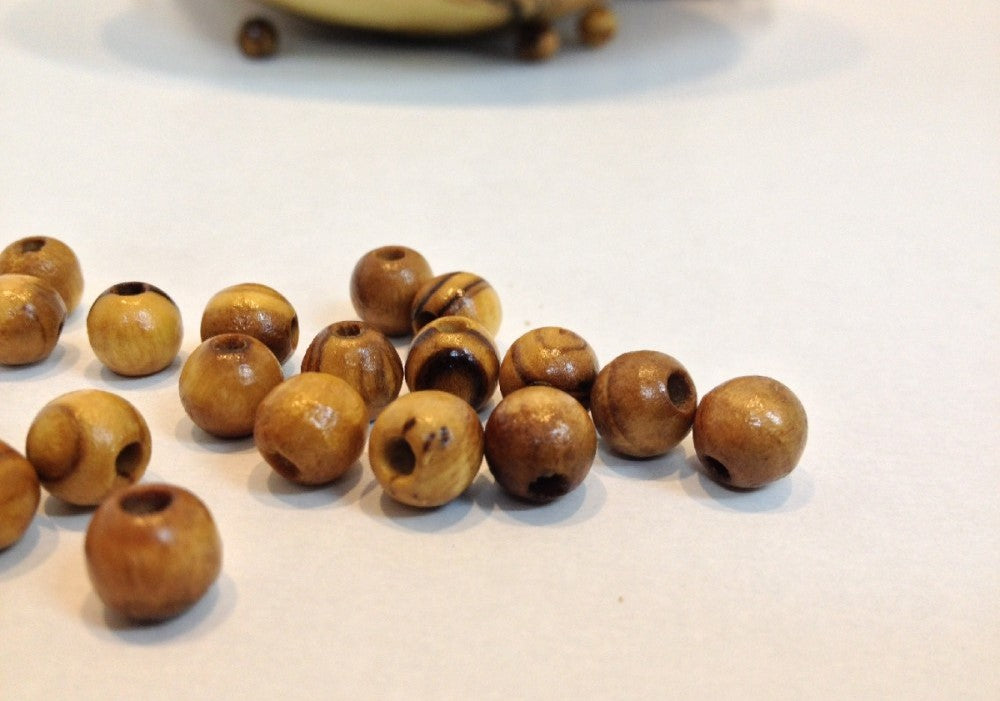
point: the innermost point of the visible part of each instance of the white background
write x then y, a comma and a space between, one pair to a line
807, 190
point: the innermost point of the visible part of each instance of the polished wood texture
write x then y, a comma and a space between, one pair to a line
383, 284
31, 319
457, 294
19, 495
135, 329
49, 259
255, 310
551, 356
457, 355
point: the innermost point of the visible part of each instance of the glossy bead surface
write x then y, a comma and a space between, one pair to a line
361, 355
31, 319
255, 310
383, 285
86, 444
426, 448
224, 380
454, 354
19, 495
135, 329
152, 551
643, 403
311, 428
550, 356
750, 431
457, 294
50, 260
540, 443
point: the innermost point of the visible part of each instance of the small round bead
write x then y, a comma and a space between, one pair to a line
456, 355
258, 38
255, 310
19, 495
383, 284
457, 294
152, 551
87, 444
538, 41
224, 380
540, 443
361, 355
31, 319
750, 431
643, 403
426, 448
311, 428
49, 259
597, 26
135, 329
550, 356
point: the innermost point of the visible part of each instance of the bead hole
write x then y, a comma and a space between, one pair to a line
716, 469
129, 460
348, 329
129, 289
283, 466
549, 486
678, 389
391, 253
423, 318
148, 501
32, 245
400, 456
230, 343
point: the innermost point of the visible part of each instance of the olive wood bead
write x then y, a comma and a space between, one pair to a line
383, 284
19, 495
49, 259
750, 431
643, 403
86, 444
454, 354
457, 294
31, 319
135, 329
311, 428
361, 355
255, 310
152, 551
224, 380
540, 443
550, 356
426, 448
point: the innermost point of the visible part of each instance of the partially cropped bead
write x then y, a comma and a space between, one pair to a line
383, 284
457, 294
19, 495
454, 354
31, 319
550, 356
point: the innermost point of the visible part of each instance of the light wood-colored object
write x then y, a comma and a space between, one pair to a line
19, 495
383, 284
255, 310
49, 259
135, 329
551, 356
31, 319
457, 355
457, 294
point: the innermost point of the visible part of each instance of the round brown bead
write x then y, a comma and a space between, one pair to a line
540, 443
19, 495
597, 26
311, 428
152, 551
135, 329
31, 319
255, 310
383, 285
258, 38
750, 431
454, 354
49, 259
361, 355
426, 448
550, 356
86, 444
643, 403
224, 380
457, 294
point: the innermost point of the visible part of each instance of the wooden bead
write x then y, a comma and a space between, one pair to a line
152, 551
550, 356
454, 354
383, 285
457, 294
258, 38
426, 448
19, 495
597, 26
49, 259
87, 444
643, 403
538, 41
361, 355
255, 310
540, 443
750, 431
31, 319
224, 380
311, 428
135, 329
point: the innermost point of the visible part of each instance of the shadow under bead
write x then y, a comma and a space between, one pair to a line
383, 284
255, 310
457, 294
551, 356
456, 355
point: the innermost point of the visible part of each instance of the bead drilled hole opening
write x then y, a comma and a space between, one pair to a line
32, 245
148, 501
678, 389
348, 330
400, 456
549, 486
129, 289
716, 469
129, 459
283, 466
392, 253
230, 343
424, 317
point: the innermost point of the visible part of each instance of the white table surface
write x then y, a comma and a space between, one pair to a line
808, 190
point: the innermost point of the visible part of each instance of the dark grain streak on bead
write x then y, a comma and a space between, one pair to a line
449, 363
430, 293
